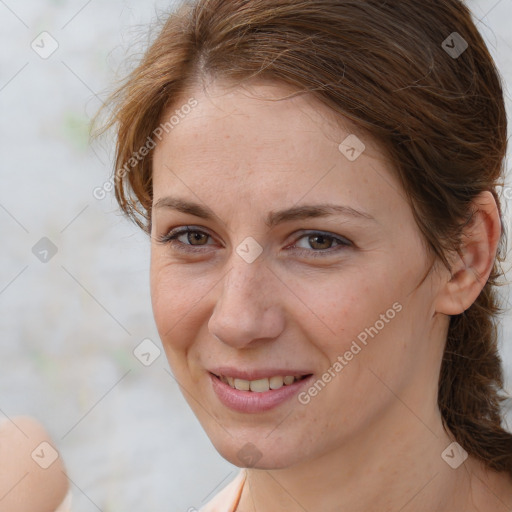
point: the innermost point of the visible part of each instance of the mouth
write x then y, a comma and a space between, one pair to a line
260, 391
261, 385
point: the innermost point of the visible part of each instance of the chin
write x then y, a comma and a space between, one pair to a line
262, 453
259, 461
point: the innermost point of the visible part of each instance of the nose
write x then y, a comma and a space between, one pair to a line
249, 307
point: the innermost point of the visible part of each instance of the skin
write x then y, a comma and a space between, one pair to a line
372, 438
26, 486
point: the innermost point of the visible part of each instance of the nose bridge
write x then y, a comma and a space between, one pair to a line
247, 306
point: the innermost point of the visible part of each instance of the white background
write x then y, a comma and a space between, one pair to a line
69, 326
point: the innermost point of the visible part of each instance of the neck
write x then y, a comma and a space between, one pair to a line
395, 465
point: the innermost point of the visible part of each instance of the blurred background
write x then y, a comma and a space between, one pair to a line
74, 275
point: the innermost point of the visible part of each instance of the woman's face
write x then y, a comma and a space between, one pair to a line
270, 282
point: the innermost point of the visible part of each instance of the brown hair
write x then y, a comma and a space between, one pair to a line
386, 66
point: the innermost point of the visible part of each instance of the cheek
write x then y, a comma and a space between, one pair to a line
381, 347
367, 359
351, 306
369, 331
173, 299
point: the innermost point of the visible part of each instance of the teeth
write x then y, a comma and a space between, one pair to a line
260, 385
242, 385
275, 382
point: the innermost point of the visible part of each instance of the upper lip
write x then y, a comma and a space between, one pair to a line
256, 374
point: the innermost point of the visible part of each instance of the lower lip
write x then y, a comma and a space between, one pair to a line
252, 402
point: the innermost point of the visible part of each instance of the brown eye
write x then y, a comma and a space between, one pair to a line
321, 244
191, 239
196, 236
320, 241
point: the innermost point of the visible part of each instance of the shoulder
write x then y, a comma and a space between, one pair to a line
491, 491
227, 499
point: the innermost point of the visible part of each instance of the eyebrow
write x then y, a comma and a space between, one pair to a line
273, 218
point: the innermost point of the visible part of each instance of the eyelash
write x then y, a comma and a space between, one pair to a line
171, 239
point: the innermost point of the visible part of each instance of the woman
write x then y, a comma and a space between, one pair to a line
319, 182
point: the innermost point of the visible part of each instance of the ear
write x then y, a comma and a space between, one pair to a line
472, 266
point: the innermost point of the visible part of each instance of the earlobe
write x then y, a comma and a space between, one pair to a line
473, 265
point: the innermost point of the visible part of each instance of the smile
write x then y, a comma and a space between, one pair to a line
256, 395
261, 385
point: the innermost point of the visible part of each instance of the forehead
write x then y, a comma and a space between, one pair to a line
268, 143
270, 113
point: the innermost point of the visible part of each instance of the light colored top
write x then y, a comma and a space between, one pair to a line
65, 506
225, 500
228, 498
